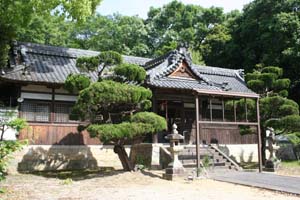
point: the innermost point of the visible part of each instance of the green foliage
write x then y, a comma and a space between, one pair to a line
256, 85
122, 131
67, 181
240, 107
273, 41
267, 81
88, 63
18, 124
294, 138
280, 113
214, 47
144, 161
109, 95
131, 72
157, 122
123, 34
76, 82
17, 14
6, 149
206, 161
273, 70
140, 124
246, 130
50, 30
110, 58
289, 123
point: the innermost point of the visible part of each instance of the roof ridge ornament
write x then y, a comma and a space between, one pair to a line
26, 62
240, 73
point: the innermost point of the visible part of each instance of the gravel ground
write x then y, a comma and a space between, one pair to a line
128, 186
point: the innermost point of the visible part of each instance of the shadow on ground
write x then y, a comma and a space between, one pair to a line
78, 175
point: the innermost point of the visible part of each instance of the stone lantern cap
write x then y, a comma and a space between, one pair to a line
174, 136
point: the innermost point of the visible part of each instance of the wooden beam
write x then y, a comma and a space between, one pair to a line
259, 137
229, 123
226, 93
197, 135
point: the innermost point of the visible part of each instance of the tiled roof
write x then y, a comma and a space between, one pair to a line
48, 64
208, 78
43, 64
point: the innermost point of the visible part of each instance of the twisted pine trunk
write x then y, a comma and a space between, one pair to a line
123, 156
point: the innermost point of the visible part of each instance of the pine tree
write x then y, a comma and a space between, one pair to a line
276, 110
116, 104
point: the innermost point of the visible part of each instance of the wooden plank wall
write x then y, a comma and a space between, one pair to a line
226, 135
66, 134
59, 134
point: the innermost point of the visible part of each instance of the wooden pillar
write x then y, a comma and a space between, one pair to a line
197, 134
210, 109
259, 137
234, 110
246, 110
154, 109
52, 106
223, 110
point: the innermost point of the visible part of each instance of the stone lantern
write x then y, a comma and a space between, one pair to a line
175, 168
272, 162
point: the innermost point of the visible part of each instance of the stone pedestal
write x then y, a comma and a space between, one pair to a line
273, 162
175, 169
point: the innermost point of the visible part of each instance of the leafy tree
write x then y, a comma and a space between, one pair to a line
15, 14
267, 32
115, 105
8, 147
175, 23
123, 34
50, 30
214, 47
275, 108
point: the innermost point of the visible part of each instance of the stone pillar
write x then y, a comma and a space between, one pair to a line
175, 168
272, 162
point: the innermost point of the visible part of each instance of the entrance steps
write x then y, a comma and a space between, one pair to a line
210, 156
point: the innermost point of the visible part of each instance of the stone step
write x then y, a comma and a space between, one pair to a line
214, 163
188, 157
203, 152
193, 156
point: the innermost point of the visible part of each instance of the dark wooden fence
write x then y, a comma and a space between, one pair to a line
226, 134
60, 134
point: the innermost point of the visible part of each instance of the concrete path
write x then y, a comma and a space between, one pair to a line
261, 180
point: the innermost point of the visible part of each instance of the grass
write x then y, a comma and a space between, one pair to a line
249, 165
67, 181
3, 190
293, 164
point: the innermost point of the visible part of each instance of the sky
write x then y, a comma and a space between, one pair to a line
141, 7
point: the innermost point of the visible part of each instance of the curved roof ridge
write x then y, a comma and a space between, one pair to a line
66, 52
157, 61
218, 70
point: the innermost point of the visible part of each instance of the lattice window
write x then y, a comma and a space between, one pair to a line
32, 111
62, 112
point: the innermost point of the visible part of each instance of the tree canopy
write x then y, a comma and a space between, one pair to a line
116, 105
18, 14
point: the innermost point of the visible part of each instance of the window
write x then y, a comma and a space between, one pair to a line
62, 112
32, 111
41, 111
